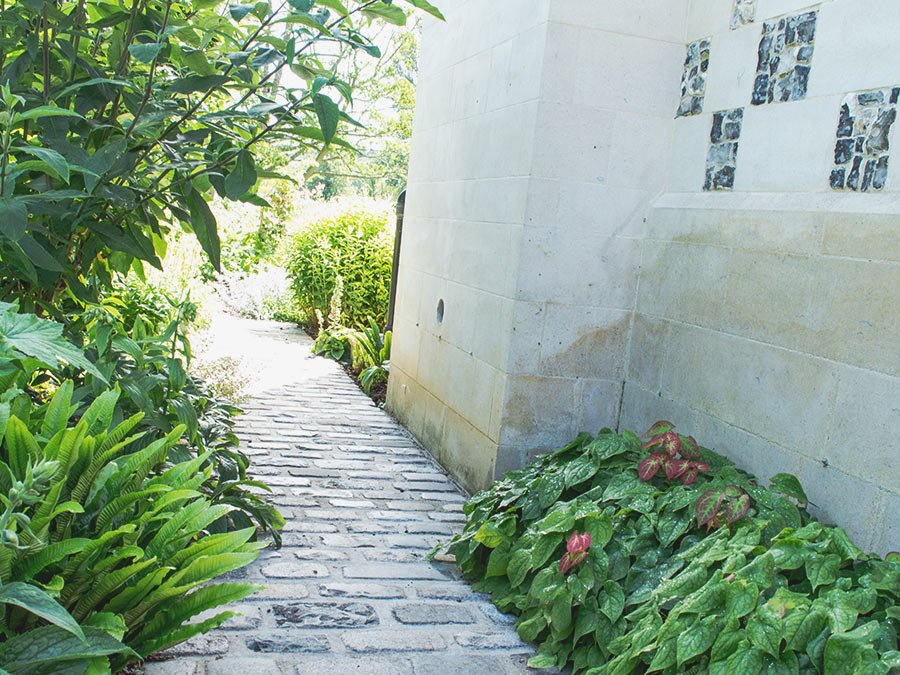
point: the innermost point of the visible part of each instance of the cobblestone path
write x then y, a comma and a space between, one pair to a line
350, 590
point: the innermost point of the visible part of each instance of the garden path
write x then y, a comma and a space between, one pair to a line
350, 591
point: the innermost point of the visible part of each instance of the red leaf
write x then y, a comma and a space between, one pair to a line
652, 442
676, 467
689, 476
565, 563
648, 468
689, 447
671, 443
707, 506
737, 508
700, 466
659, 428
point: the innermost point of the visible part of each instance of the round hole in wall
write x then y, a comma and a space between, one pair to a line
440, 311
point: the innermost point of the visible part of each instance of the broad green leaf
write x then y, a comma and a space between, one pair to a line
43, 340
612, 600
518, 566
53, 159
740, 599
34, 600
664, 656
788, 484
50, 645
390, 13
696, 639
243, 177
822, 570
428, 7
490, 535
145, 53
745, 660
13, 217
329, 114
203, 222
561, 520
587, 622
550, 487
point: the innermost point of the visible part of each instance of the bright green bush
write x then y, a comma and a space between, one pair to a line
357, 247
763, 589
101, 512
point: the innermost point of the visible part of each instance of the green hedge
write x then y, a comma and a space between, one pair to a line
761, 588
355, 246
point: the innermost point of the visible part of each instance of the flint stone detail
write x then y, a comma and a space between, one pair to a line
784, 59
863, 140
693, 79
721, 158
742, 13
325, 615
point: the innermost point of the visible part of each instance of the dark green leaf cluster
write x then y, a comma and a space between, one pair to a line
119, 121
356, 248
774, 592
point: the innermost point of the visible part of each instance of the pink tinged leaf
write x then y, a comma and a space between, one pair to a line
652, 442
565, 564
572, 544
737, 509
689, 476
659, 428
707, 506
701, 466
648, 468
586, 541
732, 491
578, 558
671, 443
689, 447
676, 467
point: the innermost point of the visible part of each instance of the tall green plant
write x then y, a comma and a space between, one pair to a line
119, 120
352, 252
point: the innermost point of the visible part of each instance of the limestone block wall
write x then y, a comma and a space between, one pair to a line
767, 319
605, 118
469, 174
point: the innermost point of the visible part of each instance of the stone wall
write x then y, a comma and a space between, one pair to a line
767, 321
664, 208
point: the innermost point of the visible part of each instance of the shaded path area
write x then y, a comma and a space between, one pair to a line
350, 591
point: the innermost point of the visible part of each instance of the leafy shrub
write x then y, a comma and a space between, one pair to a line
105, 533
355, 247
151, 372
371, 355
644, 590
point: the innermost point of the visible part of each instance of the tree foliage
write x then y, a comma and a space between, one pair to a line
119, 120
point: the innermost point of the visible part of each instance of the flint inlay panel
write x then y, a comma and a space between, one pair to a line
693, 79
784, 58
863, 140
744, 12
721, 159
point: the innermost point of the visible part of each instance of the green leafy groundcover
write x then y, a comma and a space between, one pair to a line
772, 592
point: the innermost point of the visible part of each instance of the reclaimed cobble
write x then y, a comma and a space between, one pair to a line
351, 590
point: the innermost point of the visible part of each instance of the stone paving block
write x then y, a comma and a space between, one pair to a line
245, 666
295, 570
360, 664
325, 615
392, 571
199, 645
280, 591
456, 664
180, 667
432, 613
320, 554
366, 590
292, 644
493, 640
401, 640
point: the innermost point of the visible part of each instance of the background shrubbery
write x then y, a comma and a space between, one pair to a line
352, 251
